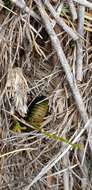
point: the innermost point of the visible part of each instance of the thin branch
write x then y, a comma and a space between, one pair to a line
58, 157
66, 173
84, 2
72, 9
59, 8
57, 46
22, 5
74, 89
65, 161
61, 22
79, 52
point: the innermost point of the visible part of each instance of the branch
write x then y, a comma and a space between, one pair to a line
84, 3
61, 22
79, 53
72, 9
57, 46
59, 156
22, 5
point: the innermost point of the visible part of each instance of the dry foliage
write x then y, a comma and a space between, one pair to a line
29, 62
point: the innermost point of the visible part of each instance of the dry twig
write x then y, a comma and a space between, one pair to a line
61, 22
57, 46
84, 3
60, 155
73, 9
79, 55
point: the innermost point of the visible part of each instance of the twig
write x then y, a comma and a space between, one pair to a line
32, 13
66, 173
61, 22
59, 8
3, 6
74, 89
79, 50
14, 151
65, 161
57, 46
58, 157
84, 2
84, 168
22, 5
72, 9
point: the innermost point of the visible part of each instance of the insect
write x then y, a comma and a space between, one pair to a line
36, 113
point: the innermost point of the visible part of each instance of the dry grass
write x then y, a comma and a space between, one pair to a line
31, 160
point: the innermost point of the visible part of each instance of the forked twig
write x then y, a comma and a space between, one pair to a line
61, 22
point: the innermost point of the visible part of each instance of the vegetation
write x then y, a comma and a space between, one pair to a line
45, 95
